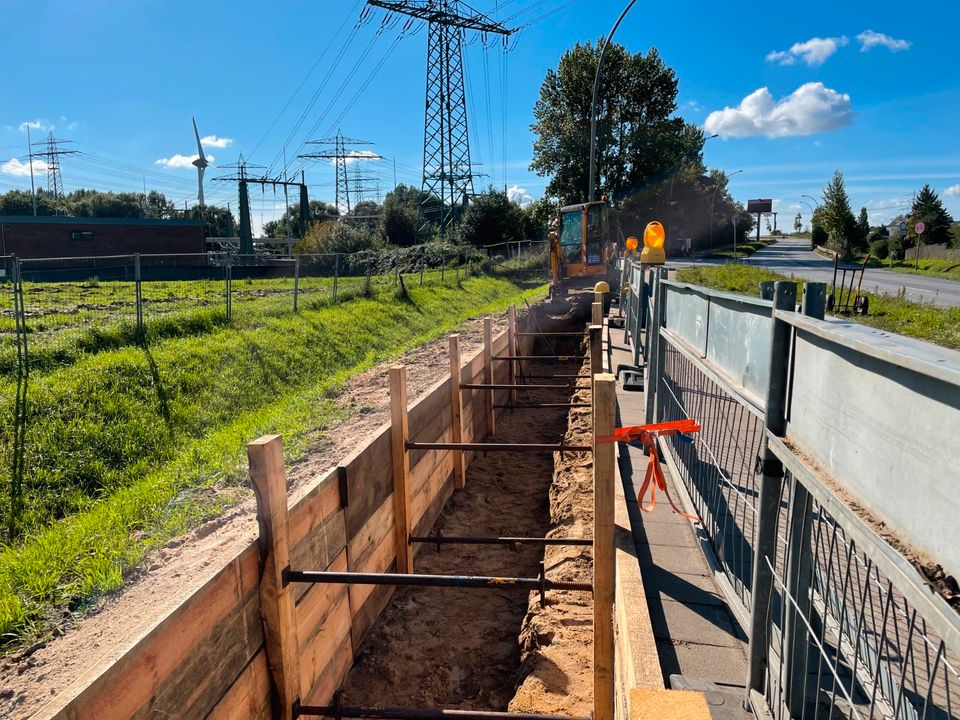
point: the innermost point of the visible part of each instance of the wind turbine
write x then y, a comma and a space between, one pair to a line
201, 163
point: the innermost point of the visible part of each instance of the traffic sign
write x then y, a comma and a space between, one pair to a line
903, 226
919, 228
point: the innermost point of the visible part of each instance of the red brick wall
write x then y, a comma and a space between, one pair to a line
42, 240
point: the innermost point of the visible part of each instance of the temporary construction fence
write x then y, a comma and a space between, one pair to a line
821, 477
328, 558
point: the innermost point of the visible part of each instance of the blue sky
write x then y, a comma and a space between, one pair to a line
871, 88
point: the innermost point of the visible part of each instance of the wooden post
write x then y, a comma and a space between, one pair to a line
604, 562
512, 347
596, 350
456, 411
399, 434
597, 308
276, 599
488, 374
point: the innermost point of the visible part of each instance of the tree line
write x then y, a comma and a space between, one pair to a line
835, 227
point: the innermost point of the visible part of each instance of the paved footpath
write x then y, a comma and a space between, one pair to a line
699, 643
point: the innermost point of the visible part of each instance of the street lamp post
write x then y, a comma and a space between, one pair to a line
593, 104
814, 200
713, 197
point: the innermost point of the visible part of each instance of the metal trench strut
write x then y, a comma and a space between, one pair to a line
439, 539
336, 710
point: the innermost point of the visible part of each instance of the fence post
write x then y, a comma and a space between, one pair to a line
139, 294
296, 283
596, 312
771, 487
488, 374
336, 275
399, 434
228, 274
604, 564
456, 411
512, 347
595, 333
276, 595
640, 312
800, 557
651, 349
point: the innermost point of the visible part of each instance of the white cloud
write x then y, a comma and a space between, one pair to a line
180, 161
813, 52
355, 155
952, 191
216, 142
811, 108
694, 105
22, 169
869, 39
519, 195
37, 124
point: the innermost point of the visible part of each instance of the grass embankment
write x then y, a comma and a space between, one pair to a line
743, 250
946, 268
922, 321
129, 447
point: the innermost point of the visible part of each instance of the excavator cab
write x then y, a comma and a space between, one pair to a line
580, 245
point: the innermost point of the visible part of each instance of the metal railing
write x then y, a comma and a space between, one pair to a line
841, 622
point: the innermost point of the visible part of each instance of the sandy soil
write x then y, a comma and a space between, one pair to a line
451, 648
556, 672
31, 677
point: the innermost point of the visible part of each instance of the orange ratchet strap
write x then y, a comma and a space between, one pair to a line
646, 436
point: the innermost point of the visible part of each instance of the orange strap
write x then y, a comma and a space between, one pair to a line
647, 436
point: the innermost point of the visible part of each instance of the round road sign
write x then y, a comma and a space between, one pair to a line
903, 227
919, 228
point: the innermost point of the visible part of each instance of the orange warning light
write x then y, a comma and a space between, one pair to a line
632, 243
654, 235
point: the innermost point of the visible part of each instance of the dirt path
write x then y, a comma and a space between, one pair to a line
30, 678
457, 648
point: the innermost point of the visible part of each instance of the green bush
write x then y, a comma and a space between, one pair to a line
895, 247
879, 248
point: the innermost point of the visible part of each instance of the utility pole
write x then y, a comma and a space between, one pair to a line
33, 190
447, 171
51, 157
341, 153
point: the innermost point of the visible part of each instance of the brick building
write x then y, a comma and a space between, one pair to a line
51, 237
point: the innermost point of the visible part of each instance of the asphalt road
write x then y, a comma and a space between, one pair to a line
789, 255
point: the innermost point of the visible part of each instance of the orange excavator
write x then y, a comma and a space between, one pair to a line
581, 248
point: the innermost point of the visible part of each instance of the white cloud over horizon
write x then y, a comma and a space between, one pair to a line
180, 161
16, 168
812, 108
216, 142
869, 39
812, 52
952, 191
519, 195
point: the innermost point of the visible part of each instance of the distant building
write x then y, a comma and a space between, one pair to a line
49, 237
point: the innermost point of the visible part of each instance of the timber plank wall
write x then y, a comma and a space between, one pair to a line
206, 657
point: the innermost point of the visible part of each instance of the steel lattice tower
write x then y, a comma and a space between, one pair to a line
340, 154
51, 156
447, 172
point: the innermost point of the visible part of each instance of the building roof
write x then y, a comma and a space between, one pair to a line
61, 220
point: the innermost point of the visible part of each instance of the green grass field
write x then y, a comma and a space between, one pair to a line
743, 249
922, 321
947, 268
129, 444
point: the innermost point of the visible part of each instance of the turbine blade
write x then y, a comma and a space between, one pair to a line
197, 134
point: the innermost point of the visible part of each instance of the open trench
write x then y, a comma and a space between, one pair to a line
499, 649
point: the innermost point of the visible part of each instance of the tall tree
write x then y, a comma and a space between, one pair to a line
863, 224
798, 223
490, 219
640, 143
836, 217
928, 209
399, 215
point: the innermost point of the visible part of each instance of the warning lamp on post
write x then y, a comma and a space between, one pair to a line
632, 244
654, 237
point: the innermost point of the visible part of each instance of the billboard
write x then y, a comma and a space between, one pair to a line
762, 205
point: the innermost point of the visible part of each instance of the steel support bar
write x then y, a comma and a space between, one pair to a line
397, 713
501, 447
479, 582
558, 375
480, 540
519, 406
552, 334
518, 358
496, 386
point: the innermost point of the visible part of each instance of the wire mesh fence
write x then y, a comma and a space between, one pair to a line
848, 627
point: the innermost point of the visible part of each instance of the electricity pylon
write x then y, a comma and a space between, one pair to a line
341, 155
447, 173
